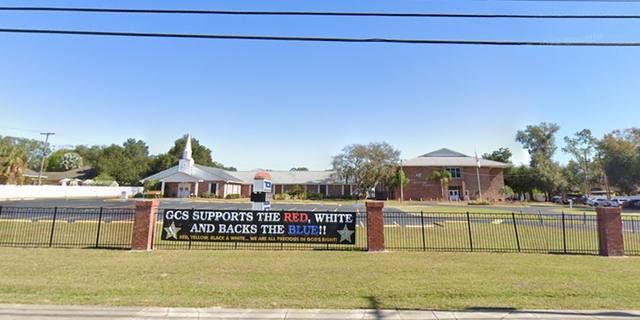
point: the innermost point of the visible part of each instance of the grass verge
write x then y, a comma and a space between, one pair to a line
294, 279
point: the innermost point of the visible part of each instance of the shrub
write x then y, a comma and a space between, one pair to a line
233, 196
207, 195
70, 161
281, 196
155, 185
479, 203
315, 196
138, 195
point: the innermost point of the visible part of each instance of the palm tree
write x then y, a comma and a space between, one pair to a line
443, 176
399, 180
12, 163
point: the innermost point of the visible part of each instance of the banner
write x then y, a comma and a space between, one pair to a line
259, 226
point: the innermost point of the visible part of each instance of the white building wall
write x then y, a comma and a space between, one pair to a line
28, 192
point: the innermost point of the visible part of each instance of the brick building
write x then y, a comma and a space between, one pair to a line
189, 179
464, 170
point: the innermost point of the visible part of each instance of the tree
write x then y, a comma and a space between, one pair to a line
506, 191
127, 164
90, 155
620, 159
299, 169
539, 141
501, 155
63, 160
34, 150
52, 163
549, 178
573, 174
583, 148
13, 158
443, 176
200, 154
366, 165
398, 179
521, 179
70, 161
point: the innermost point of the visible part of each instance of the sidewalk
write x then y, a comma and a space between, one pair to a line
41, 312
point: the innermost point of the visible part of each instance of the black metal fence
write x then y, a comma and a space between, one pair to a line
404, 231
66, 227
501, 232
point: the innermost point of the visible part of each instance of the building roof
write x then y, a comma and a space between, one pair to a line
31, 173
79, 173
449, 158
295, 177
204, 173
192, 172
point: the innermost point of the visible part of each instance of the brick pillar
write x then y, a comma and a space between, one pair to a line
610, 239
375, 225
144, 226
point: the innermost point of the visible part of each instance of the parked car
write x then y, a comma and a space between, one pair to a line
556, 199
615, 203
598, 202
630, 203
579, 199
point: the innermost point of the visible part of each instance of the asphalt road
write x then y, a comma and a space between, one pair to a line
176, 204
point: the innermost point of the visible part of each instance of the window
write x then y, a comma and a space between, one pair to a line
455, 172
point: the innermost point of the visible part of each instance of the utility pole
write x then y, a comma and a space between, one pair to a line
44, 152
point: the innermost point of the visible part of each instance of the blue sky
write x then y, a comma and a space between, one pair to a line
277, 105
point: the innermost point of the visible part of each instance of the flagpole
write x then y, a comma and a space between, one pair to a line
479, 188
478, 174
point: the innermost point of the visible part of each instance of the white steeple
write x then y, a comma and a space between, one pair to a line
186, 154
186, 162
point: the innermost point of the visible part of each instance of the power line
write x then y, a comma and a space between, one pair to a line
306, 13
60, 135
322, 39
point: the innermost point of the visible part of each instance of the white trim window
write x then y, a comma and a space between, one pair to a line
455, 172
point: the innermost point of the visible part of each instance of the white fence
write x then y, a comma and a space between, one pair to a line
38, 192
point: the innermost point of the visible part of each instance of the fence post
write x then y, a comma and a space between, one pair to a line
144, 226
515, 228
470, 237
424, 241
53, 226
610, 238
375, 225
540, 217
564, 233
99, 228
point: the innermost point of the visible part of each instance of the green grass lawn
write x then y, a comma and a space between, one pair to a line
317, 279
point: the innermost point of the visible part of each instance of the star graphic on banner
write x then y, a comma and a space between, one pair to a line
345, 234
172, 231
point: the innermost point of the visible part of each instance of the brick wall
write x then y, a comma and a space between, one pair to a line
420, 186
610, 236
375, 225
144, 225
